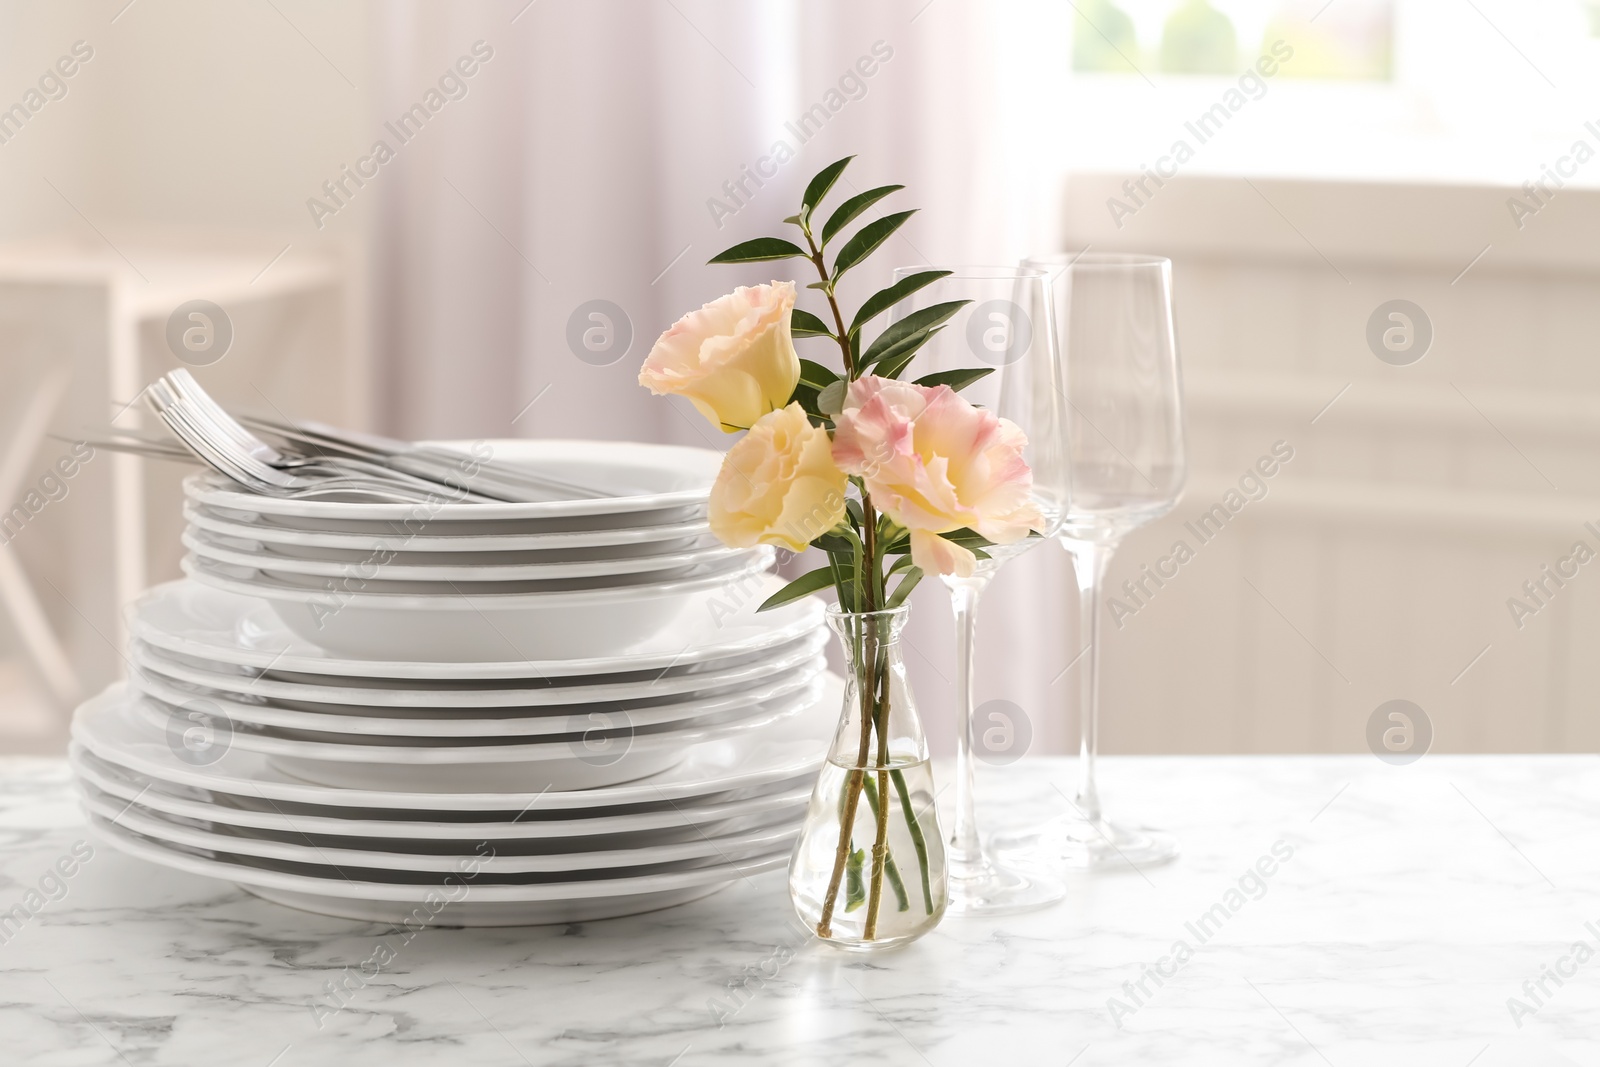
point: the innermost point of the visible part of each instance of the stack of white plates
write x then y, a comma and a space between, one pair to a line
545, 712
481, 581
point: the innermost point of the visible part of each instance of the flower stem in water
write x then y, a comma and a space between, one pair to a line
889, 867
917, 839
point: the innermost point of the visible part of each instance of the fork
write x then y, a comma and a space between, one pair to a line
243, 466
379, 456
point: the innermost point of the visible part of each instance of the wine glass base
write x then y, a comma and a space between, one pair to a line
987, 888
1082, 843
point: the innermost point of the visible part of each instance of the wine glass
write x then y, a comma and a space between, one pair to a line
1008, 328
1124, 439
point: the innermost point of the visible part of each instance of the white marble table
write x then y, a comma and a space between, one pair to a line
1414, 903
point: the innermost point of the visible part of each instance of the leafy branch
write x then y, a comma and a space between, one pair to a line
869, 562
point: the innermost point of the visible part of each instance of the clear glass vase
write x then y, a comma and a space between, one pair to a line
869, 868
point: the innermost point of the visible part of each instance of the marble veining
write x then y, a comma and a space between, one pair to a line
1415, 902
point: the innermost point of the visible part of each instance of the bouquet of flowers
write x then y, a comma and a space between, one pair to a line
890, 480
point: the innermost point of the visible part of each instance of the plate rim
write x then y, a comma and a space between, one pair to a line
794, 654
418, 893
581, 826
759, 838
209, 489
292, 790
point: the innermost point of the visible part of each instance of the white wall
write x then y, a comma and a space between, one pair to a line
1416, 505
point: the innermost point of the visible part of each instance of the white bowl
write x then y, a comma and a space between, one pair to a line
244, 632
490, 626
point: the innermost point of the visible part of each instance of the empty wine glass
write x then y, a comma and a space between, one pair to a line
1124, 435
1008, 328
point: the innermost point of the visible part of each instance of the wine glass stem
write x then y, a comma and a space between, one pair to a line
1089, 562
966, 849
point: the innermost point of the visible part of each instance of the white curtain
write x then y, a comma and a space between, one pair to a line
603, 153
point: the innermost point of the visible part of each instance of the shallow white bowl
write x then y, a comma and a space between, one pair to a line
492, 626
207, 624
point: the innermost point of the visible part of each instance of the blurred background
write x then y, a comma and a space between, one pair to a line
406, 209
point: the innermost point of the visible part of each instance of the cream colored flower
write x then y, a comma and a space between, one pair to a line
734, 358
934, 463
778, 486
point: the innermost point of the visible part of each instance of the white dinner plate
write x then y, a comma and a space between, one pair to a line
626, 541
531, 693
663, 822
487, 722
584, 900
388, 565
364, 580
598, 757
649, 477
602, 740
791, 747
493, 857
557, 625
210, 624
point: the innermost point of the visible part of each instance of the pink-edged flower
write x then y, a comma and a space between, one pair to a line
734, 358
934, 463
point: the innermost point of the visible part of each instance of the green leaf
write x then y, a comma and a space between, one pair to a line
921, 320
957, 379
853, 508
809, 582
904, 563
967, 538
818, 285
806, 397
850, 209
758, 251
867, 240
805, 324
830, 401
897, 361
855, 885
884, 299
819, 186
903, 590
816, 375
832, 542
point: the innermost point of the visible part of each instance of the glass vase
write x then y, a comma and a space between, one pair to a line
869, 869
